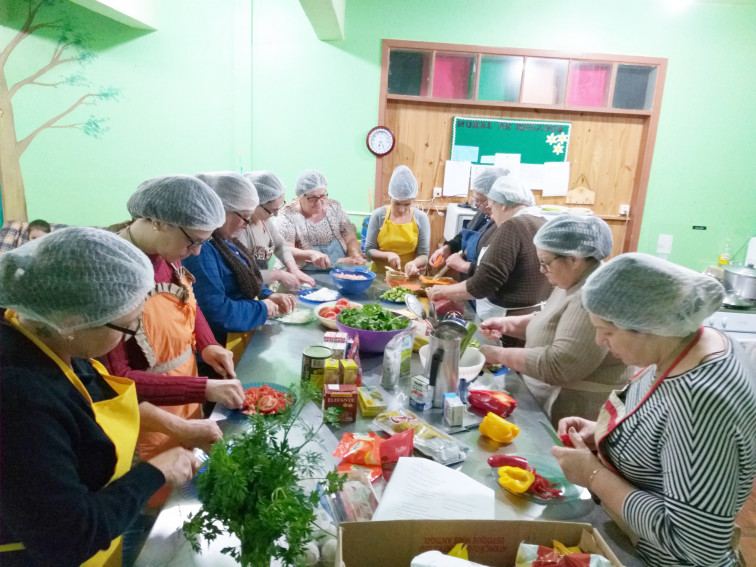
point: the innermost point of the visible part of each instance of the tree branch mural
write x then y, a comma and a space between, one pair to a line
71, 48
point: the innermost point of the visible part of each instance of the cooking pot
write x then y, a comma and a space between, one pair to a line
741, 280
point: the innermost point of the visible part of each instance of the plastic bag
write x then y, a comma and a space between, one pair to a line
396, 359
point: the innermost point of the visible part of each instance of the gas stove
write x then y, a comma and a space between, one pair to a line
739, 323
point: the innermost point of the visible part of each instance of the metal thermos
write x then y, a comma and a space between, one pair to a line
443, 344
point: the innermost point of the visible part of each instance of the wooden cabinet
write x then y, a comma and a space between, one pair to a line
611, 101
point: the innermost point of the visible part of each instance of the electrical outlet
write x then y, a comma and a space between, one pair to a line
624, 210
437, 192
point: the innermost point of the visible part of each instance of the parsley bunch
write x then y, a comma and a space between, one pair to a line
254, 487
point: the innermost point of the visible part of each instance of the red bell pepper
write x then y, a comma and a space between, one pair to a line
500, 403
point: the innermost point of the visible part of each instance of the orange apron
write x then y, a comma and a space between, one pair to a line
119, 419
166, 338
399, 238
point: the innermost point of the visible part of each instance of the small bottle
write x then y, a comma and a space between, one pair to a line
726, 255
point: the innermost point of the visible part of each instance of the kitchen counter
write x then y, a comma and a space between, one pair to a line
274, 355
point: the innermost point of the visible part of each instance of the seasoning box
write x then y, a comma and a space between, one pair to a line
350, 374
313, 363
343, 396
332, 371
337, 342
454, 410
421, 393
371, 401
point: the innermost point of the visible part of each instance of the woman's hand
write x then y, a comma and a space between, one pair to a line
457, 263
319, 260
492, 353
577, 463
393, 260
221, 359
440, 255
436, 292
272, 307
585, 428
303, 278
411, 269
285, 301
357, 260
200, 433
289, 280
228, 392
493, 328
178, 465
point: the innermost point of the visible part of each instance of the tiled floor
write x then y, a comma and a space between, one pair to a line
747, 522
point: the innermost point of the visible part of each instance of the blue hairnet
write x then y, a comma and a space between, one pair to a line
510, 192
582, 236
179, 200
310, 180
402, 185
75, 278
486, 178
644, 293
269, 186
235, 190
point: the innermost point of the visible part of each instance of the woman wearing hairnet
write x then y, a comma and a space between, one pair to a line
676, 448
316, 228
67, 487
398, 235
173, 217
261, 237
461, 252
508, 277
561, 364
228, 280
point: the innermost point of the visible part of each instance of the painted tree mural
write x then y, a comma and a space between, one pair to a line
71, 49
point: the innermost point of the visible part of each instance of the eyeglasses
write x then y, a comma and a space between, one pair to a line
192, 242
124, 330
313, 200
274, 212
245, 219
547, 264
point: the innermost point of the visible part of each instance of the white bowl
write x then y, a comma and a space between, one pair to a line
470, 364
330, 323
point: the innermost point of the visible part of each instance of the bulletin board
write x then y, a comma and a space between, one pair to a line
477, 139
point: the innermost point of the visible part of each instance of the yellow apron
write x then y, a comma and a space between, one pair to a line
401, 239
119, 419
166, 338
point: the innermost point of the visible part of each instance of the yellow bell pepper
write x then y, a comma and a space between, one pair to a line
498, 428
515, 479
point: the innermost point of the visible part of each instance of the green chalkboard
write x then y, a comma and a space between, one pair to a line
476, 140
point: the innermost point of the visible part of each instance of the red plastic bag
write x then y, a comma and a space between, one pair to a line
500, 403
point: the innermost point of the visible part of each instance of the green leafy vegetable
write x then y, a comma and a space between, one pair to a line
255, 487
396, 293
372, 317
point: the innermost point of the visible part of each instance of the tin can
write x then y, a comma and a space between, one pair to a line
313, 363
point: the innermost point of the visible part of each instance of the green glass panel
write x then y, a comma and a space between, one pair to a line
500, 78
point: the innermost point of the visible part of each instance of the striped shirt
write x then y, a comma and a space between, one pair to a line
690, 450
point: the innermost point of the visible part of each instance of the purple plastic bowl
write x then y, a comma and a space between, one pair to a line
370, 341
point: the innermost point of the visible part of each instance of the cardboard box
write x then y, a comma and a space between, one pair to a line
343, 396
332, 371
350, 374
372, 401
490, 542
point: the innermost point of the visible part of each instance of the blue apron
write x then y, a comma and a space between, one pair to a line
470, 239
334, 250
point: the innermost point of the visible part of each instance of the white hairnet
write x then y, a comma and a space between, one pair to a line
510, 192
310, 180
179, 200
582, 236
75, 278
486, 178
644, 293
402, 185
269, 186
236, 191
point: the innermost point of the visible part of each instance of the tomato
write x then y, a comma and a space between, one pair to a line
328, 314
342, 303
337, 310
266, 400
268, 404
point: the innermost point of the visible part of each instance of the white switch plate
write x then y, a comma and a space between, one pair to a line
437, 192
664, 244
624, 209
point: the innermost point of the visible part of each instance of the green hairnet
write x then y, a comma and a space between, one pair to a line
75, 278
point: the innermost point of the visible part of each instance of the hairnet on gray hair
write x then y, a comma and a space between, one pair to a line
570, 234
179, 200
402, 185
510, 192
644, 293
310, 180
269, 186
75, 278
236, 191
486, 178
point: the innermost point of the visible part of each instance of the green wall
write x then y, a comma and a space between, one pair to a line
190, 103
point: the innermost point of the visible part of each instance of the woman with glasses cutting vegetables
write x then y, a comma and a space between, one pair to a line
316, 228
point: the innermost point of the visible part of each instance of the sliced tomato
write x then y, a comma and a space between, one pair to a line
268, 404
342, 303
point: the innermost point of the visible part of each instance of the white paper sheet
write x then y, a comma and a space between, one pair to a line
531, 175
456, 178
556, 178
423, 489
510, 162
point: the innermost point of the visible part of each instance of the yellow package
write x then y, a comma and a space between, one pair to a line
332, 371
349, 372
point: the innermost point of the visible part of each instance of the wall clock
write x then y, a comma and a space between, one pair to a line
380, 141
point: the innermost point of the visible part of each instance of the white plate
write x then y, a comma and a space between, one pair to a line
330, 323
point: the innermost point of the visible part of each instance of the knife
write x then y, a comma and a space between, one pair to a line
550, 430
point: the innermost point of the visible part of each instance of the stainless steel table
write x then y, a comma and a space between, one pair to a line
275, 355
